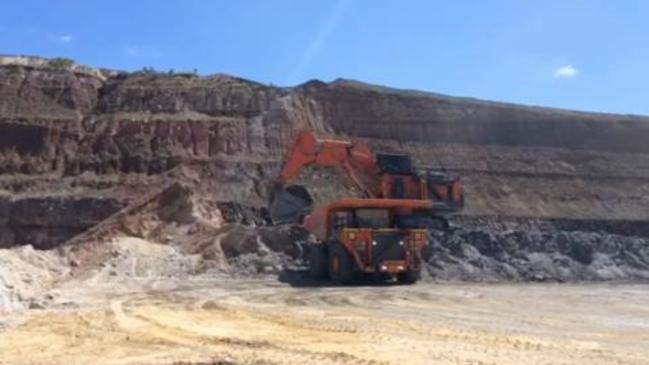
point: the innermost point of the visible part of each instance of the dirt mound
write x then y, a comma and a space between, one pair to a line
140, 259
177, 231
26, 275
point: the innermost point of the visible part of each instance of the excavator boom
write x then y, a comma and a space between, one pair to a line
349, 156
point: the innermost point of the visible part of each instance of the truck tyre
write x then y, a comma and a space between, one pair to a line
341, 265
318, 262
409, 277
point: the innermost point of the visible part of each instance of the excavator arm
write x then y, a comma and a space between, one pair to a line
289, 203
355, 159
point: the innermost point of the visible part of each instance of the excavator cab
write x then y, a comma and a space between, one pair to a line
400, 180
394, 164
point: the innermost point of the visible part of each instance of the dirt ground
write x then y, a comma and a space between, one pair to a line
263, 321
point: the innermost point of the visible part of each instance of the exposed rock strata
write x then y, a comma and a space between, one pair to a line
516, 161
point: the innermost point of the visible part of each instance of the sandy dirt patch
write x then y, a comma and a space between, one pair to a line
266, 322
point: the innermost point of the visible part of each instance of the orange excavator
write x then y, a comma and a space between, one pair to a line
377, 176
384, 233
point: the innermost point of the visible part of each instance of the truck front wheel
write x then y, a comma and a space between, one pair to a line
318, 261
409, 277
341, 267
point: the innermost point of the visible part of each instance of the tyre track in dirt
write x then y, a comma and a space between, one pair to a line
263, 321
355, 324
197, 337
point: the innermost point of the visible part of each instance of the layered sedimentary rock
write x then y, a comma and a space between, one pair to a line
60, 124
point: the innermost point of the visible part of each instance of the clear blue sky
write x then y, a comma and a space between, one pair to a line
588, 54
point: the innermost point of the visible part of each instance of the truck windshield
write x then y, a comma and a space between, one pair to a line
372, 218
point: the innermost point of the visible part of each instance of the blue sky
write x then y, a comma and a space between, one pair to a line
577, 54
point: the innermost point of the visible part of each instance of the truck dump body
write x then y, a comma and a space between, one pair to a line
316, 222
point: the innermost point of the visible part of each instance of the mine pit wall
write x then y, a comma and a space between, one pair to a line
127, 146
413, 117
516, 161
61, 123
71, 122
47, 93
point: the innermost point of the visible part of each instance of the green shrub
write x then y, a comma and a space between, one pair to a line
61, 63
147, 71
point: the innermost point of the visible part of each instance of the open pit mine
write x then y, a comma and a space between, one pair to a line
135, 226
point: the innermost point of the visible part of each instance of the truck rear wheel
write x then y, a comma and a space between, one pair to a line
318, 262
409, 277
341, 266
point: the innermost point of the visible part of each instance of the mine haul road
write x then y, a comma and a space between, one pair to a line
267, 322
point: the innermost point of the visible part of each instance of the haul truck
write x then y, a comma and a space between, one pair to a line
353, 238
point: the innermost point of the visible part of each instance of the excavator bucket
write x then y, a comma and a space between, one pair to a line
290, 204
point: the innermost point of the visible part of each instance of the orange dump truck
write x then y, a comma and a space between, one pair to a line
361, 237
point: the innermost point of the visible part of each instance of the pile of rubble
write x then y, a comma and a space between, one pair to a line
27, 274
486, 255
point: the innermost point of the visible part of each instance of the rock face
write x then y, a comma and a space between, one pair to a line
60, 124
368, 111
139, 124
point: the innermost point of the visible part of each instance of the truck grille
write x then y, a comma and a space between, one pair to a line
387, 247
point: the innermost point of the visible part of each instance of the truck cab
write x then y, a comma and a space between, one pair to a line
363, 237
